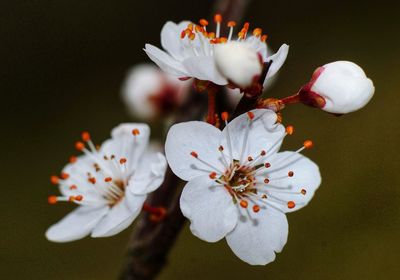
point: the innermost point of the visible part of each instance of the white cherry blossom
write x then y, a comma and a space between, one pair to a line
149, 93
108, 183
190, 48
240, 186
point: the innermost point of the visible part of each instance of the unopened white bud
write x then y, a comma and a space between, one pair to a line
343, 85
238, 62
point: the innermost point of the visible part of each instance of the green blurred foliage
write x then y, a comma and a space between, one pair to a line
62, 66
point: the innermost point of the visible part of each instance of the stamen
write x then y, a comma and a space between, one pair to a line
92, 180
64, 176
203, 22
303, 191
264, 38
107, 179
85, 136
250, 115
290, 173
213, 175
54, 180
266, 180
256, 208
73, 187
52, 199
244, 203
267, 165
257, 32
289, 130
122, 160
291, 204
218, 20
79, 146
135, 132
308, 144
194, 154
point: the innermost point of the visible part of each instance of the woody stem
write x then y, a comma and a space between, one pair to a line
212, 91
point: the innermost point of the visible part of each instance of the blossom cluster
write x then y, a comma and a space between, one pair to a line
240, 186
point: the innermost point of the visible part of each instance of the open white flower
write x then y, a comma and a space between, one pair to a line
189, 49
109, 183
148, 92
343, 86
240, 186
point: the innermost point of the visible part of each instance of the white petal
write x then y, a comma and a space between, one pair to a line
306, 176
120, 216
277, 61
203, 68
256, 240
165, 61
77, 224
194, 136
149, 175
264, 132
209, 207
170, 38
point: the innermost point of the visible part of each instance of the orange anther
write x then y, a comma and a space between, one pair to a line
107, 179
190, 26
264, 38
64, 176
256, 208
52, 199
266, 180
92, 180
257, 32
211, 35
218, 18
289, 129
246, 26
290, 173
71, 198
263, 153
250, 115
303, 191
244, 203
135, 131
291, 204
224, 116
213, 175
222, 40
308, 144
267, 165
73, 159
73, 187
194, 154
85, 136
231, 23
54, 179
203, 22
79, 146
122, 160
192, 36
78, 198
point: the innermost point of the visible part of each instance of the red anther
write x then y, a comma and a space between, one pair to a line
78, 198
244, 203
64, 176
194, 154
107, 179
224, 116
308, 144
122, 160
135, 131
183, 34
267, 165
221, 148
264, 38
289, 129
256, 208
73, 187
85, 136
263, 153
218, 18
291, 204
257, 32
54, 179
52, 199
203, 22
290, 173
79, 146
73, 159
246, 26
266, 180
92, 180
250, 115
211, 35
213, 175
250, 159
303, 191
231, 23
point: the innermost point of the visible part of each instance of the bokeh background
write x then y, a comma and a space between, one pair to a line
62, 64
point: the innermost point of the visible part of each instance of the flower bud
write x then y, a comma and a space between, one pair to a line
238, 62
149, 93
343, 86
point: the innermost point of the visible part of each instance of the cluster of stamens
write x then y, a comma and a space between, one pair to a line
200, 30
107, 177
242, 177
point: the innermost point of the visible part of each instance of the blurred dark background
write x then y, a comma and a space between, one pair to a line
62, 64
